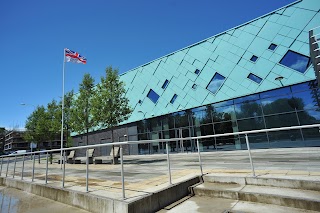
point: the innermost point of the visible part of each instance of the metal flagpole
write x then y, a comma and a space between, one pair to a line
62, 109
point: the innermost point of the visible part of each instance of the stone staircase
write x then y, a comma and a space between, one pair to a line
293, 193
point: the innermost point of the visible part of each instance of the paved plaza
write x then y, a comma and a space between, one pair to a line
147, 173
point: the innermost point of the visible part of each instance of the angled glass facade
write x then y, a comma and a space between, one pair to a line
254, 76
288, 106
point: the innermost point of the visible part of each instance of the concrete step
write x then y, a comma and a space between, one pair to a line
275, 181
222, 205
295, 198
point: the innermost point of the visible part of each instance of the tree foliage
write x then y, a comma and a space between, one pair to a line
81, 111
111, 106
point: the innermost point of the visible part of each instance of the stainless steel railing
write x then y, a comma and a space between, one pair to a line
167, 141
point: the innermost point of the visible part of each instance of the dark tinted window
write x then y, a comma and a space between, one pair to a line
165, 84
153, 96
197, 71
295, 61
254, 78
173, 98
254, 58
215, 83
272, 47
278, 105
194, 86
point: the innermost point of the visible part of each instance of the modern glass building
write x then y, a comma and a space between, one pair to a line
254, 76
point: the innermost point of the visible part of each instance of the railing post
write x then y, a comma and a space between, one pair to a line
87, 170
168, 161
33, 162
251, 162
22, 170
7, 166
64, 167
122, 173
200, 162
1, 166
47, 158
14, 167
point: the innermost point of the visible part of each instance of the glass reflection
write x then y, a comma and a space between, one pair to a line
289, 138
181, 119
248, 109
277, 105
295, 61
225, 113
215, 83
227, 142
281, 120
276, 92
201, 115
309, 117
304, 86
251, 124
256, 141
208, 143
311, 136
306, 100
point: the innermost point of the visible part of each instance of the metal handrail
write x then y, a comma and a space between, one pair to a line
197, 138
170, 140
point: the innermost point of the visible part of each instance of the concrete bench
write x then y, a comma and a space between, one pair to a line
107, 159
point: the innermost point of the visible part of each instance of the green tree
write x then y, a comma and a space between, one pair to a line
81, 112
37, 126
111, 106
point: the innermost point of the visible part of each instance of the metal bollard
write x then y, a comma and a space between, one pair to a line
14, 167
7, 166
251, 162
168, 161
122, 173
200, 162
22, 168
47, 158
64, 168
34, 160
87, 170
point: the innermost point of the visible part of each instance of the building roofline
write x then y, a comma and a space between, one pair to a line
199, 42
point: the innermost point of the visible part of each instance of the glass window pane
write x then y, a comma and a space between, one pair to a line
201, 115
281, 120
223, 103
254, 58
173, 98
311, 136
155, 124
181, 119
255, 78
304, 86
247, 98
153, 96
197, 71
225, 113
295, 61
208, 143
278, 105
165, 84
288, 138
309, 117
276, 92
306, 100
272, 47
227, 142
215, 83
248, 109
251, 124
256, 141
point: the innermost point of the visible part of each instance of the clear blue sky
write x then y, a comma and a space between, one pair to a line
124, 34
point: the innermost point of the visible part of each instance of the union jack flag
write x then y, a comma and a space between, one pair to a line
74, 57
